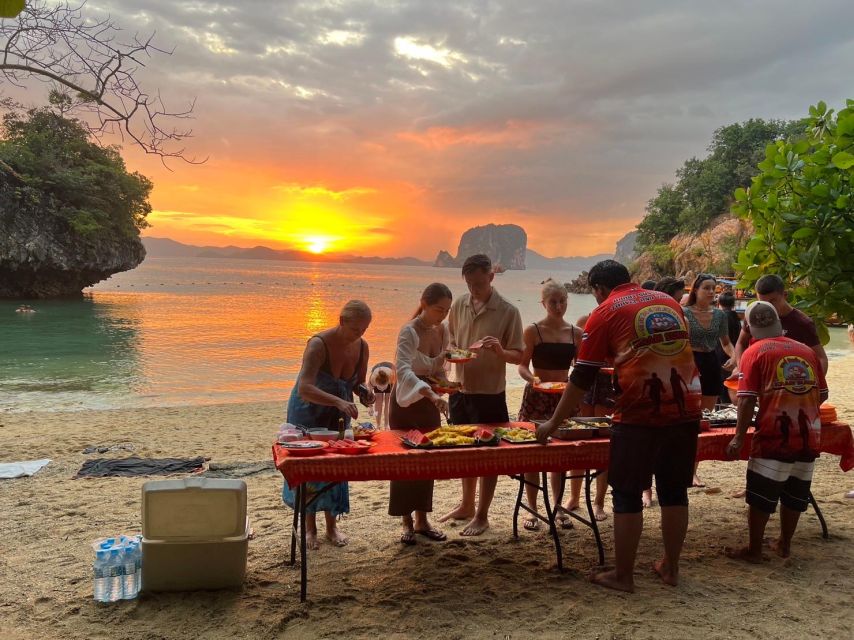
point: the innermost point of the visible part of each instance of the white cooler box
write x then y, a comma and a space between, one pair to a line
195, 534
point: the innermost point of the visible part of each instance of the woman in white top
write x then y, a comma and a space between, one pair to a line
414, 405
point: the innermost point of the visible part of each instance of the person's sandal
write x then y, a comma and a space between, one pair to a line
531, 524
407, 537
433, 534
563, 519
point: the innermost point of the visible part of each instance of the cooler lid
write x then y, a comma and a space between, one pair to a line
193, 509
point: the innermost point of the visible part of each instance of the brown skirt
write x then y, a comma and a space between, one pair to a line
406, 496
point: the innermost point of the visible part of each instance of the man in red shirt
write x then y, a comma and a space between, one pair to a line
657, 417
788, 380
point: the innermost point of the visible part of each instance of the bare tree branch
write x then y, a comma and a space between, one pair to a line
58, 45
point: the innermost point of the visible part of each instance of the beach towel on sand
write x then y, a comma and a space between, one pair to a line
128, 467
21, 469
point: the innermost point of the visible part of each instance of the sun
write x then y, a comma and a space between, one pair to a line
317, 244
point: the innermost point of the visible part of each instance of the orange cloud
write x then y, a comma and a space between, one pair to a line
513, 133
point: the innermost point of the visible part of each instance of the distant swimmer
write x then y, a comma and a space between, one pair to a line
25, 308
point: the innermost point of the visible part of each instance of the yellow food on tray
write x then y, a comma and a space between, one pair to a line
451, 439
519, 434
459, 354
459, 429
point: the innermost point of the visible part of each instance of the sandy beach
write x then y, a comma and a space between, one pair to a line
488, 587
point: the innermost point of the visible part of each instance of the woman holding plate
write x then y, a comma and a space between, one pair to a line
550, 345
415, 405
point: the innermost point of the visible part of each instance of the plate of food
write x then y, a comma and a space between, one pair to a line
602, 424
364, 431
304, 447
459, 356
443, 385
571, 429
450, 436
349, 447
731, 383
550, 387
518, 435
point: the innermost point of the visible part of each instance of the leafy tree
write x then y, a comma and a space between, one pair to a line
704, 187
52, 162
97, 66
802, 208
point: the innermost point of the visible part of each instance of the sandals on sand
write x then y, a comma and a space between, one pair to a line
407, 537
432, 534
563, 519
531, 524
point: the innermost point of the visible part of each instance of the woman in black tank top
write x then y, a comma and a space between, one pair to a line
550, 346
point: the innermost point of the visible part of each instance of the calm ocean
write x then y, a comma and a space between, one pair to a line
201, 331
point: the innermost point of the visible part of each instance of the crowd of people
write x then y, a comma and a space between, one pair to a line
653, 356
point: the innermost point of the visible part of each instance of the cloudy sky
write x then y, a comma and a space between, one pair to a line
383, 127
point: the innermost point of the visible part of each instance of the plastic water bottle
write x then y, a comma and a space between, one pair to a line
115, 567
138, 558
129, 570
100, 569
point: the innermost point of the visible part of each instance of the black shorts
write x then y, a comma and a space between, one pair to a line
478, 408
639, 452
770, 481
602, 392
710, 372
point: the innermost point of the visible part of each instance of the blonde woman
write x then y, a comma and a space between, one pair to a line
550, 347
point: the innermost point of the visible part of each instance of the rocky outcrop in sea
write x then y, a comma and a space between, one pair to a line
41, 255
505, 244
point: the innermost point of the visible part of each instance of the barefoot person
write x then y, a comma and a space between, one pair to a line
786, 378
334, 363
414, 405
482, 317
550, 345
642, 333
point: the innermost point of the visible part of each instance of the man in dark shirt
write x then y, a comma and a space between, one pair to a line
796, 324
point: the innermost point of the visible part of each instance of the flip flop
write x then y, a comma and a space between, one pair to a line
531, 524
563, 519
407, 537
433, 534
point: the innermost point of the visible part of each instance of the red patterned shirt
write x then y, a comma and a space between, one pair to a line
786, 378
643, 333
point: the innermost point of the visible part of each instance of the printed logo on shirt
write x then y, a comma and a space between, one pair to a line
794, 374
658, 328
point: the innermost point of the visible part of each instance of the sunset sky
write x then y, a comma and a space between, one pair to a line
388, 128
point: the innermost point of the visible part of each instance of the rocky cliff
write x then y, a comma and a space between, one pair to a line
711, 251
505, 244
42, 256
625, 252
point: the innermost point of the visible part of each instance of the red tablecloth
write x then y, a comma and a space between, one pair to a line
390, 460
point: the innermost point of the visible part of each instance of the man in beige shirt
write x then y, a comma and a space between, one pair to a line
482, 319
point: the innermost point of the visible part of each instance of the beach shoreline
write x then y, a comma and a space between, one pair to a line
482, 588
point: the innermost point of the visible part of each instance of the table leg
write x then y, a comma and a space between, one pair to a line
594, 524
295, 525
303, 587
824, 533
517, 507
551, 515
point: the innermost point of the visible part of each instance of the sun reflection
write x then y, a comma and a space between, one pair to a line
317, 314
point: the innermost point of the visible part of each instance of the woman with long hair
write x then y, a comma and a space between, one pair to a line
707, 326
550, 346
414, 405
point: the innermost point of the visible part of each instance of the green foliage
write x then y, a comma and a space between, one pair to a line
662, 259
704, 187
729, 246
66, 173
802, 208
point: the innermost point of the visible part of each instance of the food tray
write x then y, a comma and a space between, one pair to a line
508, 440
351, 451
412, 445
303, 447
565, 433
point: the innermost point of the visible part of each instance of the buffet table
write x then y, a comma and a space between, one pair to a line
390, 459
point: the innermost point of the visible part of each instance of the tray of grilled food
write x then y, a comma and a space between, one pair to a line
583, 428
